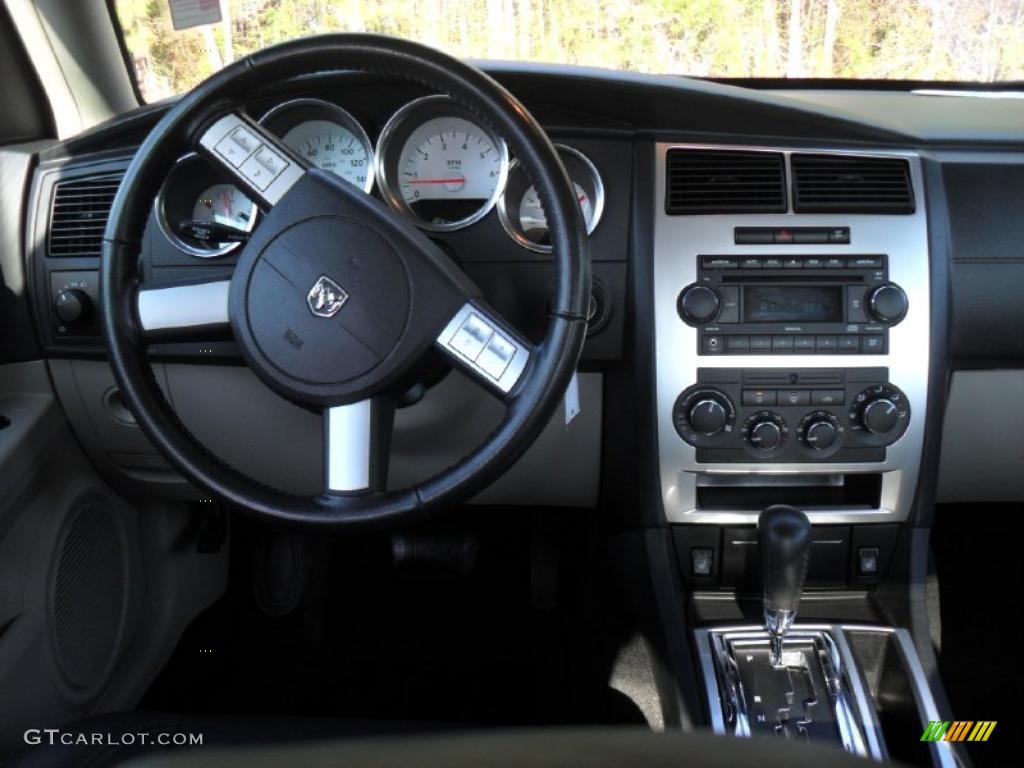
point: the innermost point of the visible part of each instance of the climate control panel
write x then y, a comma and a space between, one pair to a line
791, 415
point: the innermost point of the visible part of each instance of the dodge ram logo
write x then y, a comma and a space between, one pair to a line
326, 297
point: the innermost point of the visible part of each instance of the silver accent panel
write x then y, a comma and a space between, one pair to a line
252, 156
678, 243
183, 306
347, 432
482, 344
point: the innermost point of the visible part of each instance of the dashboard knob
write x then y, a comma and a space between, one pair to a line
888, 303
72, 306
698, 304
708, 416
820, 435
880, 416
765, 435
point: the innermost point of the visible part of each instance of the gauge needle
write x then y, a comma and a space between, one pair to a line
453, 180
227, 203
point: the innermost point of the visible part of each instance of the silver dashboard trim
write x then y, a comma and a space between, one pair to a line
348, 446
680, 240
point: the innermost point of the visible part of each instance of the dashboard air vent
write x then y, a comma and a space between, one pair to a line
713, 181
851, 184
79, 215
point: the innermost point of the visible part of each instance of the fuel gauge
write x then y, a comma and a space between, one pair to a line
520, 209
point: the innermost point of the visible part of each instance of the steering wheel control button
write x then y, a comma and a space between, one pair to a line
237, 146
472, 336
497, 356
263, 167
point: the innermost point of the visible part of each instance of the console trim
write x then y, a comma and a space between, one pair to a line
680, 240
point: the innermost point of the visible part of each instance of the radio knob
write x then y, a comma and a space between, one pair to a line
880, 416
698, 304
765, 435
708, 416
888, 303
72, 306
820, 434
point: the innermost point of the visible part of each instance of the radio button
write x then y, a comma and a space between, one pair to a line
849, 343
865, 262
737, 344
750, 263
855, 312
813, 263
826, 344
729, 296
782, 343
873, 343
719, 262
794, 397
804, 344
773, 263
760, 343
836, 262
792, 263
759, 397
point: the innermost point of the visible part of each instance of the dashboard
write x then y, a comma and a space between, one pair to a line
792, 323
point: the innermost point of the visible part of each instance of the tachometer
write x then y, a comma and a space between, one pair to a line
520, 209
327, 136
437, 163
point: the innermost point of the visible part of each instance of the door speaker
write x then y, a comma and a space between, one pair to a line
89, 593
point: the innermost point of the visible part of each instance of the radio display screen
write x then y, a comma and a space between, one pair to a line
792, 304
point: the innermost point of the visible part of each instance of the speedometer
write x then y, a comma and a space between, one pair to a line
327, 136
438, 164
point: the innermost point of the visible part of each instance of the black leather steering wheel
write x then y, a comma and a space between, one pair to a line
336, 301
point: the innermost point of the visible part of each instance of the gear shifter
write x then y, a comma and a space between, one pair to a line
784, 539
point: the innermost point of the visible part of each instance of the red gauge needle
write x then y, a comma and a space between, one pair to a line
227, 202
582, 198
454, 180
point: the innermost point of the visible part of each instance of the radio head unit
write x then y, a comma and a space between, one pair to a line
792, 305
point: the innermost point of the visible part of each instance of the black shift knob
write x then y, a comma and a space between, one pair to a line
784, 538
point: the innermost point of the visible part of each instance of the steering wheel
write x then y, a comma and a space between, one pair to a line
336, 301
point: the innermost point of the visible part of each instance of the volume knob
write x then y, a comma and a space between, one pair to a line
698, 304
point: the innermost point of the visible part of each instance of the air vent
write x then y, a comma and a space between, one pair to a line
845, 184
79, 215
701, 181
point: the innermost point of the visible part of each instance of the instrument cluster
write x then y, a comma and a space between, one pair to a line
433, 162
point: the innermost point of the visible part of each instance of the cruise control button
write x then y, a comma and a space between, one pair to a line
759, 397
470, 339
237, 146
827, 397
496, 356
794, 397
804, 344
826, 344
714, 345
760, 343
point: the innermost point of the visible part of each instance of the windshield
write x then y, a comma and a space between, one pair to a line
174, 44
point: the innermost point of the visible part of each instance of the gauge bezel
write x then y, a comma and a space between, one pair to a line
169, 232
402, 126
515, 231
293, 110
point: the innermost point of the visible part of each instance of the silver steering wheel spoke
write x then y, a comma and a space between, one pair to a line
182, 311
255, 159
484, 345
357, 439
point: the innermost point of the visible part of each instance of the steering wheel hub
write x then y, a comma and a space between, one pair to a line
322, 302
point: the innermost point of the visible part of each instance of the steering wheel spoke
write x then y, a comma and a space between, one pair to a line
357, 439
256, 159
183, 311
484, 345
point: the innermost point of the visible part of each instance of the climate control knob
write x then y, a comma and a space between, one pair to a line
820, 431
698, 304
702, 414
888, 303
765, 431
880, 416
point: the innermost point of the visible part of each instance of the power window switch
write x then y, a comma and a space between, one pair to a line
867, 561
702, 560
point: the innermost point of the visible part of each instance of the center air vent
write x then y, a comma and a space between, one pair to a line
712, 181
851, 184
79, 216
